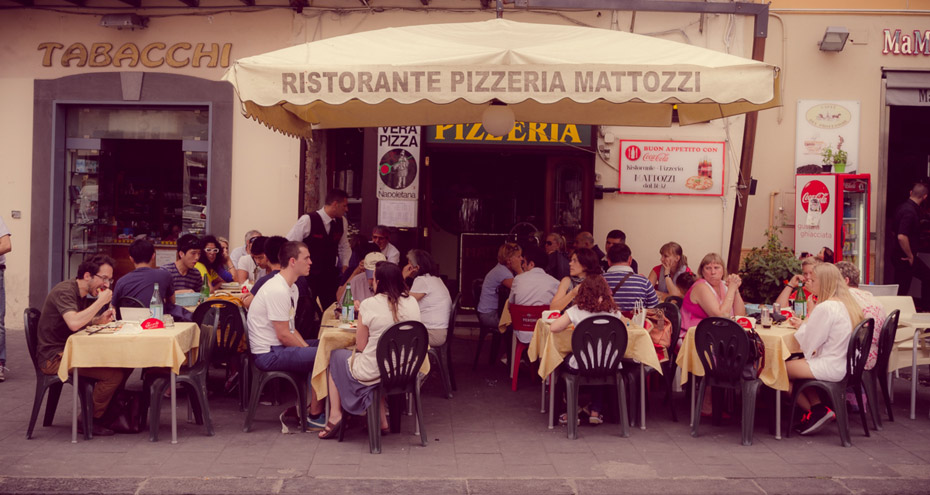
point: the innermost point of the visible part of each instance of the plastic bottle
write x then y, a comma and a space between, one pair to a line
348, 305
156, 305
205, 290
800, 302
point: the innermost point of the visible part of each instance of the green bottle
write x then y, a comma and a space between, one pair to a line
800, 302
205, 290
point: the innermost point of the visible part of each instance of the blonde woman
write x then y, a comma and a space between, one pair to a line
714, 294
824, 339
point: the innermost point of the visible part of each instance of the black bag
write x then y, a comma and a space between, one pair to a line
756, 356
126, 411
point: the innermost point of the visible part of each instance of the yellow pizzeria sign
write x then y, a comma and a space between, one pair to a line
523, 133
152, 55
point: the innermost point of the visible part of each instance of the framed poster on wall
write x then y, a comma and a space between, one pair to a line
691, 168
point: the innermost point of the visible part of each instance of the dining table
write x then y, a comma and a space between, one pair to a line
127, 345
551, 348
335, 334
779, 343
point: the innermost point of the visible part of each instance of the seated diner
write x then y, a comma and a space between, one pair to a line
714, 294
584, 262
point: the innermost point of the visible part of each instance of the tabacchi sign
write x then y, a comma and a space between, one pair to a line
152, 55
692, 168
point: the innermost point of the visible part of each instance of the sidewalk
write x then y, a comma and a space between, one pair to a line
487, 439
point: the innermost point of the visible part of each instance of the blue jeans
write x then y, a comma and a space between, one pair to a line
2, 320
282, 358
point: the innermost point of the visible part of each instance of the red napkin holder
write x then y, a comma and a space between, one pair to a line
554, 315
152, 323
745, 323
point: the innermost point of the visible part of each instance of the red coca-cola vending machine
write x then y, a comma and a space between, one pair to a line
832, 210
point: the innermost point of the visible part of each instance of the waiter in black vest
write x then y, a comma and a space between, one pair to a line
323, 231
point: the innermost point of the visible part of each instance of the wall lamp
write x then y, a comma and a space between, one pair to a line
124, 21
498, 118
834, 39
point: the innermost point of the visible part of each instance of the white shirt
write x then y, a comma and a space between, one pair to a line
237, 253
275, 302
301, 230
375, 313
824, 338
391, 253
248, 264
4, 231
436, 305
533, 288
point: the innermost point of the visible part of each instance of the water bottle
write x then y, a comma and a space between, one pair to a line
800, 302
348, 305
156, 305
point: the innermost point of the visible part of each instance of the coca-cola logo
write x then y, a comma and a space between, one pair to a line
633, 153
818, 190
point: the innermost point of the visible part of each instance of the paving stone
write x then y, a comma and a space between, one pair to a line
896, 486
666, 486
210, 485
801, 486
106, 486
509, 487
380, 487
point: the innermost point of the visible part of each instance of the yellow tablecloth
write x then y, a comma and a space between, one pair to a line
332, 338
551, 348
779, 345
505, 320
163, 348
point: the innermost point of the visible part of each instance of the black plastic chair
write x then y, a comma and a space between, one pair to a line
193, 379
724, 350
494, 332
879, 372
676, 300
128, 302
443, 353
52, 384
598, 345
229, 336
400, 354
258, 379
856, 355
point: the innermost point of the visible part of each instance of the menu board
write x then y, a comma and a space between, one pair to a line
692, 168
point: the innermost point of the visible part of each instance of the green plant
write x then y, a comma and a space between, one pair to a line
827, 155
766, 268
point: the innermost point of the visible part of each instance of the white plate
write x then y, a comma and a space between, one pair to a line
348, 326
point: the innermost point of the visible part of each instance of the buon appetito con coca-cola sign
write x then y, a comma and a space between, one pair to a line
691, 168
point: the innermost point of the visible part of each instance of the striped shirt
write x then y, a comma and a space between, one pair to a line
636, 288
190, 281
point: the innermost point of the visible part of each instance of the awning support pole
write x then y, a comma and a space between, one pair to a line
745, 172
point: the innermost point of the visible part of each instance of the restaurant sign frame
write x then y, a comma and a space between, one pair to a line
674, 168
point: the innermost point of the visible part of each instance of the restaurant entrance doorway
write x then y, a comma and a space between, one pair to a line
473, 198
908, 162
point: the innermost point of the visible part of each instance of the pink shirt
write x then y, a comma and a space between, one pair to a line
691, 312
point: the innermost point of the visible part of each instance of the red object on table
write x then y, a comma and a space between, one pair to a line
152, 323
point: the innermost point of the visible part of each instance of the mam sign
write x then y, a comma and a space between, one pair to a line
899, 43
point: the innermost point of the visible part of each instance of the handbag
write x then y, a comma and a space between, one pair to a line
756, 361
126, 408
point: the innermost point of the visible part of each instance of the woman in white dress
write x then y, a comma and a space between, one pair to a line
824, 339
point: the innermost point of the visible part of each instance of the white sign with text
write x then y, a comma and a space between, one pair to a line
398, 175
692, 168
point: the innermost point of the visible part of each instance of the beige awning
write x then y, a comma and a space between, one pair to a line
449, 73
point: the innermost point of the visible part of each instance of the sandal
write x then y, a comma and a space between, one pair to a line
595, 420
331, 430
563, 419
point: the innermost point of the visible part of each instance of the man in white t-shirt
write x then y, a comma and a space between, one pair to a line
252, 266
273, 338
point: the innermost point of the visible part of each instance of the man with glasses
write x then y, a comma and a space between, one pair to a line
184, 275
381, 236
240, 251
68, 309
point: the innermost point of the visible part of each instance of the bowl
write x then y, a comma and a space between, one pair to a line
187, 299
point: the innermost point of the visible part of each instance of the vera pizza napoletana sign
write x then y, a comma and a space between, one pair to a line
693, 168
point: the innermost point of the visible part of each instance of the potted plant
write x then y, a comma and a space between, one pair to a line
834, 158
766, 268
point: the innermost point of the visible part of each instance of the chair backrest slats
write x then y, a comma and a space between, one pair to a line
598, 344
860, 343
31, 323
886, 342
723, 348
400, 354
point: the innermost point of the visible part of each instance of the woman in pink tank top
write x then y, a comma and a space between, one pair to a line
714, 294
